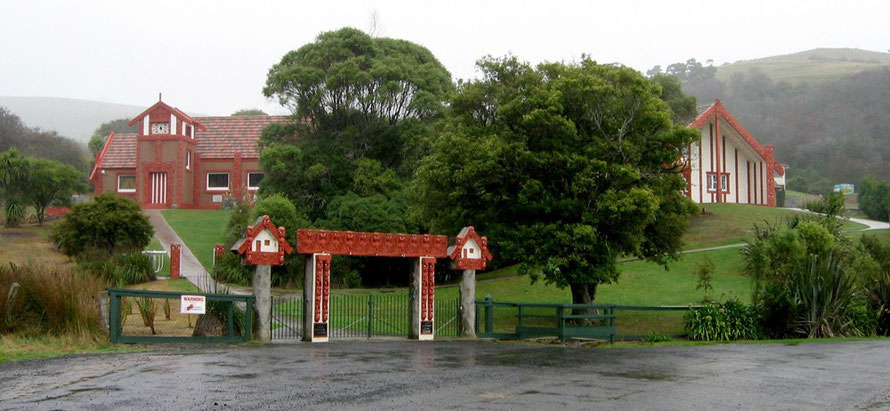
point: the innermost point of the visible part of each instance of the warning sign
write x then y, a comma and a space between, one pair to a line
192, 304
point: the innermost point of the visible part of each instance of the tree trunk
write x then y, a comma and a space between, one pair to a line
584, 294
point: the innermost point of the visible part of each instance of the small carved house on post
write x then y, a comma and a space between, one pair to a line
470, 251
263, 244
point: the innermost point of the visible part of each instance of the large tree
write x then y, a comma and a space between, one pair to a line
360, 98
51, 181
566, 167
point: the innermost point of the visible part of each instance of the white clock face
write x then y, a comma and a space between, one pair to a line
160, 128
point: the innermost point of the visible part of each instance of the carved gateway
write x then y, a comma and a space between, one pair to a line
322, 244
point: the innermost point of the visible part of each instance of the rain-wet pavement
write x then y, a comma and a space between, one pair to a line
458, 374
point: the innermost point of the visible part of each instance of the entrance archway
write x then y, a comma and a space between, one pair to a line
322, 245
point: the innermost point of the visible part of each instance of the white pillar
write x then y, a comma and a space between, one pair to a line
316, 298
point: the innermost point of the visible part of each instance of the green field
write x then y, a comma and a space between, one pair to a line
816, 65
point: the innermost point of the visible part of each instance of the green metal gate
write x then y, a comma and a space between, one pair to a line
363, 316
287, 318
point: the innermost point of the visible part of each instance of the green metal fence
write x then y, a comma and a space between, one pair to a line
236, 309
509, 320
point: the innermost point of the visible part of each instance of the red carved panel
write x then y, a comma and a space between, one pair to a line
371, 244
322, 288
427, 288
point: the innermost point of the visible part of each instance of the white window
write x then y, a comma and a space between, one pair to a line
126, 184
724, 182
253, 180
188, 160
217, 181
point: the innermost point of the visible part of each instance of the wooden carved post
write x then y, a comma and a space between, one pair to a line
423, 297
175, 255
317, 298
263, 245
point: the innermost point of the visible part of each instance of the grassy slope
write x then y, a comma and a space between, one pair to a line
730, 224
200, 230
812, 66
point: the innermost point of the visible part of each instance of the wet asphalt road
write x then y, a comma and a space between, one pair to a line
458, 374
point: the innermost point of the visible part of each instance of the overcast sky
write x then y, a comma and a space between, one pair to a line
211, 57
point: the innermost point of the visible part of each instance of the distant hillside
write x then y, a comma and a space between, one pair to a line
73, 118
816, 65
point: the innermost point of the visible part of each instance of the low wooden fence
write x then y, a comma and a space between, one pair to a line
510, 320
235, 309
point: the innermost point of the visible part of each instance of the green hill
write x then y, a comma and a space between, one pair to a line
815, 65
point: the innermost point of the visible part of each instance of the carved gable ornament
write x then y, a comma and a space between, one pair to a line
263, 244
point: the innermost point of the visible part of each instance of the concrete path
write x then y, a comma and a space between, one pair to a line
403, 374
190, 267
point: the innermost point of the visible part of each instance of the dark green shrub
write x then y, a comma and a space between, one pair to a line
108, 222
874, 199
780, 198
726, 321
704, 269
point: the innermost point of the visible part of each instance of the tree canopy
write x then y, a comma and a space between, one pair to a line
51, 181
249, 112
366, 110
108, 222
566, 167
39, 143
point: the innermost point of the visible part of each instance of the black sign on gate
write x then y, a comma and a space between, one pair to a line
426, 327
320, 330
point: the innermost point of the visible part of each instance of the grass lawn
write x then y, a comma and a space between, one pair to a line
17, 348
200, 230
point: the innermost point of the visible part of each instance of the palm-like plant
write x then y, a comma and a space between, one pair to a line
824, 294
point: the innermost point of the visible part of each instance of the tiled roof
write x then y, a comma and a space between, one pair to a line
121, 151
226, 136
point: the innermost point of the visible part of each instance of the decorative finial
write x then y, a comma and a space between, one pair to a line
159, 96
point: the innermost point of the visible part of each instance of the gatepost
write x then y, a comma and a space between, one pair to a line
175, 256
317, 298
264, 245
469, 253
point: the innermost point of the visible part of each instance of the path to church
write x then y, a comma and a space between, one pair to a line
458, 374
191, 268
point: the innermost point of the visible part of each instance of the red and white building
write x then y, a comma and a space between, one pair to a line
727, 165
178, 160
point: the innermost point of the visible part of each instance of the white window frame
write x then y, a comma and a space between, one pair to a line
250, 187
712, 182
207, 181
188, 160
126, 190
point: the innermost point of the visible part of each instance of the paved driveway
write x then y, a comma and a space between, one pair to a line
459, 374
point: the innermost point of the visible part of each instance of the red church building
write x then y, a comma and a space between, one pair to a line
175, 160
727, 165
